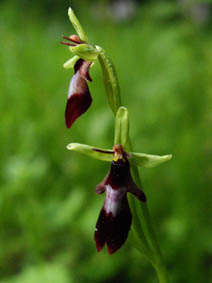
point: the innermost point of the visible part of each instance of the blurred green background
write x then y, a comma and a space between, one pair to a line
162, 51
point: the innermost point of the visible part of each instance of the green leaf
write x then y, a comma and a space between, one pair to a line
148, 160
96, 153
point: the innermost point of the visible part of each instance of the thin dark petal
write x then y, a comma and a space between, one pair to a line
111, 229
73, 38
83, 67
100, 189
134, 189
79, 100
66, 37
103, 151
67, 43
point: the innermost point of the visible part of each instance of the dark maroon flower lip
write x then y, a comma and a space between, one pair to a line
115, 218
113, 229
79, 98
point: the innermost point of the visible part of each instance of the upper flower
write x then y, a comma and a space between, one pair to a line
82, 49
79, 98
115, 218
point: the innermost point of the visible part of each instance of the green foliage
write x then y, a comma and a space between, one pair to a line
48, 207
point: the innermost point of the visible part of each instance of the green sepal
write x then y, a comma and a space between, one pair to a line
71, 62
148, 160
96, 153
85, 51
122, 127
77, 26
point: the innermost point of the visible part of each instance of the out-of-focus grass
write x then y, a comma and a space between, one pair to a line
48, 207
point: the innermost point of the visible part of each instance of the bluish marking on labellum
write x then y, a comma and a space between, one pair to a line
79, 98
115, 218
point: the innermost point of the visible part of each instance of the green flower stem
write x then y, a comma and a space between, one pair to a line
142, 227
161, 272
141, 212
145, 219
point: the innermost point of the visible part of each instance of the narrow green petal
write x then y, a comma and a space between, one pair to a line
77, 26
71, 62
148, 160
96, 153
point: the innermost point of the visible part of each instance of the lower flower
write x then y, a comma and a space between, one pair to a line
115, 218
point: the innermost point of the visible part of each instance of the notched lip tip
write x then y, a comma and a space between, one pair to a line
98, 248
111, 251
68, 126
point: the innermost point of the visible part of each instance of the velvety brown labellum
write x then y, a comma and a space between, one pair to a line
76, 105
111, 229
115, 218
79, 98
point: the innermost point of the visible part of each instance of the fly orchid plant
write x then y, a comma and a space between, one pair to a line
125, 205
